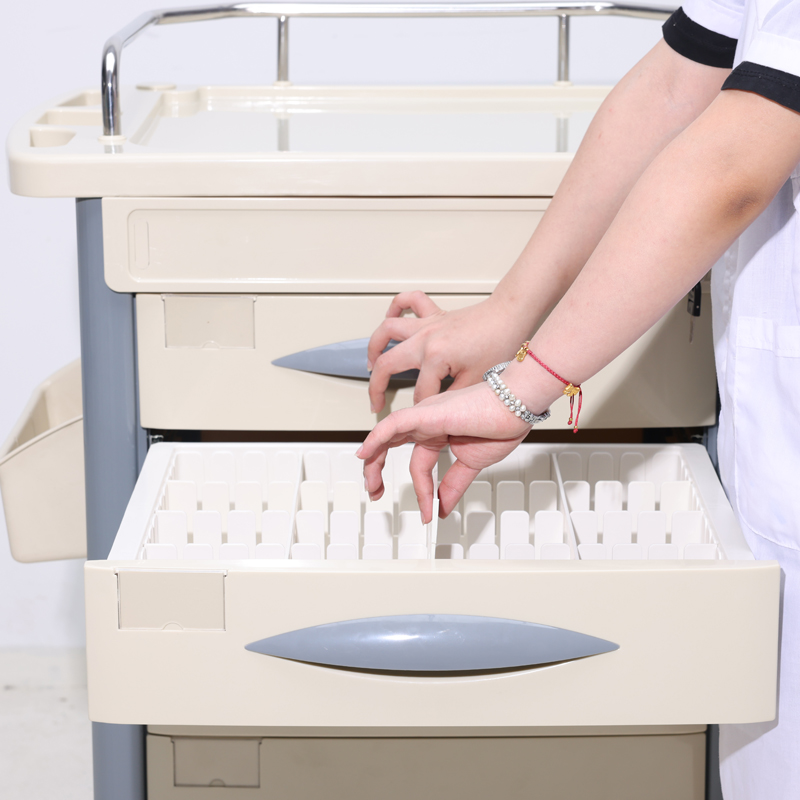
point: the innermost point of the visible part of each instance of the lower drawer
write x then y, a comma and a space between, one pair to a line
217, 608
205, 363
658, 766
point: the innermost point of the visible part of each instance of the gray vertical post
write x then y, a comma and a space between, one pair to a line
713, 784
113, 446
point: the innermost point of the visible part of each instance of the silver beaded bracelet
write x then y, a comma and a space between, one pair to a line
514, 404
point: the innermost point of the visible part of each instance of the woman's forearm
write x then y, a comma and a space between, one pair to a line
695, 198
655, 101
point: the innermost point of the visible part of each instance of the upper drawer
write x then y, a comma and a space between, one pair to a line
207, 363
320, 245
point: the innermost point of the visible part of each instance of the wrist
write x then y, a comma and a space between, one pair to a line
517, 410
535, 387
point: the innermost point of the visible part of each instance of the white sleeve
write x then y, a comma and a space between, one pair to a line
768, 56
721, 16
774, 35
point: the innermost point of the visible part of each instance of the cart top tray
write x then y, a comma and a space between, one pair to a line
305, 140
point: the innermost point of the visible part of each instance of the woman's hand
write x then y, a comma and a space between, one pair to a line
462, 344
477, 426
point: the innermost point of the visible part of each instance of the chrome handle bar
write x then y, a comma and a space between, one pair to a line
283, 12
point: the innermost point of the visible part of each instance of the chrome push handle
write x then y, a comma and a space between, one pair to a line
283, 12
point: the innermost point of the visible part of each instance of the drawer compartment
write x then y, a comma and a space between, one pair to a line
205, 363
225, 546
321, 245
41, 473
659, 767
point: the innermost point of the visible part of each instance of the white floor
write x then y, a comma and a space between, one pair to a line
45, 734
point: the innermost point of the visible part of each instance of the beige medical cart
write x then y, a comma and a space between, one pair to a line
255, 627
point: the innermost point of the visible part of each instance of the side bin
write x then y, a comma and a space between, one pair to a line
41, 473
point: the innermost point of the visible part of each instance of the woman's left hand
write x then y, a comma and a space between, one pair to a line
478, 427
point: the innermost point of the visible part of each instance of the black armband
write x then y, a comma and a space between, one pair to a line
697, 43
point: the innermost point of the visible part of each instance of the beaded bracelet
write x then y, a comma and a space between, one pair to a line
514, 404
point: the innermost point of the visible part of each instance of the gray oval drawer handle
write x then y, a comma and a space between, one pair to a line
342, 359
432, 643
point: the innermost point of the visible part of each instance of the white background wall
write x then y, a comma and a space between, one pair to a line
54, 46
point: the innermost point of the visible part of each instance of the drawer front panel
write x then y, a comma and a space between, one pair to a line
319, 245
189, 383
697, 644
659, 767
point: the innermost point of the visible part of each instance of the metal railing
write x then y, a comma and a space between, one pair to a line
283, 12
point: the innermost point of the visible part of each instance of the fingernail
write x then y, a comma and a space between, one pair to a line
366, 488
372, 408
422, 517
360, 450
369, 365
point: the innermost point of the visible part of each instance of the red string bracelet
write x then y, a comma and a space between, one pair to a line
571, 390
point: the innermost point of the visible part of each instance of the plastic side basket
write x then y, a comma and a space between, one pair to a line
41, 473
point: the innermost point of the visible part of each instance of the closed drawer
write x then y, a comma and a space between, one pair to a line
228, 555
659, 766
205, 363
314, 245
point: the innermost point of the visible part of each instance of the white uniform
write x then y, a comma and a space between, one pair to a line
756, 307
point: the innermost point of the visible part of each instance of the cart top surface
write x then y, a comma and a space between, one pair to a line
285, 140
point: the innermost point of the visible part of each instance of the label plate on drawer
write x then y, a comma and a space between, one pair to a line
166, 600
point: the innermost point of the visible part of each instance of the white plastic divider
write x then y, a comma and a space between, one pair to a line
586, 526
578, 495
242, 530
572, 542
310, 526
432, 528
216, 497
652, 528
248, 496
171, 529
208, 530
274, 513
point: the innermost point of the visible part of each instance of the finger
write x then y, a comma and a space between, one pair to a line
418, 302
398, 359
373, 475
373, 467
429, 382
455, 482
394, 328
379, 437
423, 460
399, 427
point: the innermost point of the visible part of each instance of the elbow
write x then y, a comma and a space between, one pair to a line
741, 202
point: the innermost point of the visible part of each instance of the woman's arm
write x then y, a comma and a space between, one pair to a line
650, 106
695, 198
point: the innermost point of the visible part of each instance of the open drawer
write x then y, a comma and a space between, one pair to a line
576, 586
206, 363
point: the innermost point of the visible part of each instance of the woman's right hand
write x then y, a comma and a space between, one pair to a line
461, 344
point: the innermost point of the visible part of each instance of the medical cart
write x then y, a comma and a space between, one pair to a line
256, 628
